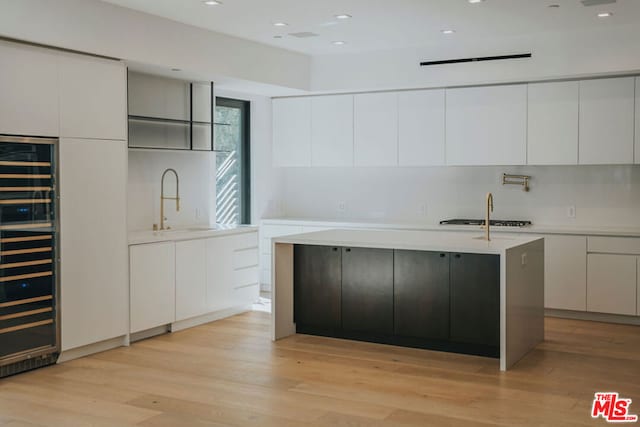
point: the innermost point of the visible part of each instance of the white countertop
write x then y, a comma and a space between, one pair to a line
196, 232
590, 230
409, 239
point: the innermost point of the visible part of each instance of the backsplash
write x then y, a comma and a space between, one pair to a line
197, 188
601, 195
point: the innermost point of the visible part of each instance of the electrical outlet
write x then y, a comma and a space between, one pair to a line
524, 258
571, 212
197, 213
423, 210
342, 206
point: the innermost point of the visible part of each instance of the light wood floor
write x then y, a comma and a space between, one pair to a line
230, 373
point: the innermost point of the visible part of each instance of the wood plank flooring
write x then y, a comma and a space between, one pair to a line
229, 373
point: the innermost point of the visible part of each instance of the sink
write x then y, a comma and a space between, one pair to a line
190, 229
493, 238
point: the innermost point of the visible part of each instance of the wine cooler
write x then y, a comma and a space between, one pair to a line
29, 331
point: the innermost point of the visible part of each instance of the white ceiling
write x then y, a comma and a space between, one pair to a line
385, 24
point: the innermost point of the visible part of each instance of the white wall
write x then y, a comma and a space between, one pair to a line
105, 29
602, 195
197, 188
601, 49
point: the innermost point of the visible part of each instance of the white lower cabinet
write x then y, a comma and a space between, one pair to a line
175, 281
565, 281
219, 272
152, 270
191, 279
612, 284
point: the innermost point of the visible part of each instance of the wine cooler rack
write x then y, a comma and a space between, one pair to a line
29, 334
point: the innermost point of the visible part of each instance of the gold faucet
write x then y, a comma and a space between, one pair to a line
487, 218
163, 198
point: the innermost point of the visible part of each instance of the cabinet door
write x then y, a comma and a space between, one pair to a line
612, 284
152, 285
475, 299
292, 132
553, 110
220, 273
93, 98
637, 133
191, 279
421, 128
367, 290
638, 285
376, 129
421, 294
93, 240
565, 272
332, 130
487, 125
317, 280
606, 121
29, 88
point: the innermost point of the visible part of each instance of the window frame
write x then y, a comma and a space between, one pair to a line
245, 151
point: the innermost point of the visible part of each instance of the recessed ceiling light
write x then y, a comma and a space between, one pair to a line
176, 69
554, 6
448, 31
604, 14
280, 24
339, 42
277, 37
212, 2
475, 1
343, 16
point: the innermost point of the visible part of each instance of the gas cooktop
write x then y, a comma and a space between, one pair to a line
493, 222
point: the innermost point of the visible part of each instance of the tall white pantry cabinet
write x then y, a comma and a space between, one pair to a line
82, 101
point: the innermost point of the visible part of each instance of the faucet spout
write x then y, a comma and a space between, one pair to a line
163, 197
487, 219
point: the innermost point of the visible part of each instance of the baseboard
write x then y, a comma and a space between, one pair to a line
149, 333
207, 318
594, 317
99, 347
265, 287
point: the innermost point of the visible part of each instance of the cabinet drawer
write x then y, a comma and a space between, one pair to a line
614, 245
247, 240
245, 258
245, 277
246, 295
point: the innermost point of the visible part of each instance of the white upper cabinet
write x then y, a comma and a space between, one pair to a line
553, 123
421, 116
376, 129
93, 98
606, 121
332, 130
292, 132
29, 88
637, 150
487, 125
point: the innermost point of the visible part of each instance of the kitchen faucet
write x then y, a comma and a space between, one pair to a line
163, 198
487, 219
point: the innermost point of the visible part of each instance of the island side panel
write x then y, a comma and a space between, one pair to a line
282, 304
523, 301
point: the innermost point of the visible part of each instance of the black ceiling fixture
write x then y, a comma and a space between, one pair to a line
476, 59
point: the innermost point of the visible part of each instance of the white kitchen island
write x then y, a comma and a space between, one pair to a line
520, 274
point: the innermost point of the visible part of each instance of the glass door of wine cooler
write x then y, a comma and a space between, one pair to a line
28, 287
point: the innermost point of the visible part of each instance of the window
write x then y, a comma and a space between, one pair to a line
232, 161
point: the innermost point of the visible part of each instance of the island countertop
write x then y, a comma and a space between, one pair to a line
410, 240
